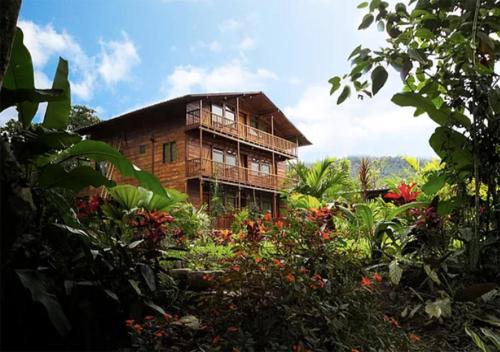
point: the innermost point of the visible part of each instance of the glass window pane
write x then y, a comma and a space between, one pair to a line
173, 153
166, 152
229, 115
142, 149
217, 155
217, 110
231, 159
254, 166
265, 168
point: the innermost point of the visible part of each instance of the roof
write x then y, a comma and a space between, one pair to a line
258, 100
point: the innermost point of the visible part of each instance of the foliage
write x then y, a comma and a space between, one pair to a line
322, 179
82, 116
445, 52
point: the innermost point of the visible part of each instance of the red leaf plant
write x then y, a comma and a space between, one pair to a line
404, 193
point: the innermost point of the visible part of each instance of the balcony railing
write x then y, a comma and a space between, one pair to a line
235, 174
242, 131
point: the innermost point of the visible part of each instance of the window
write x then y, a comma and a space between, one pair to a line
217, 155
265, 168
142, 149
254, 167
254, 122
170, 152
228, 114
230, 159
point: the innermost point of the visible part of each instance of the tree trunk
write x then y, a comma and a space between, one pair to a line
9, 11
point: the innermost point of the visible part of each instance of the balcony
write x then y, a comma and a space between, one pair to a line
238, 130
235, 174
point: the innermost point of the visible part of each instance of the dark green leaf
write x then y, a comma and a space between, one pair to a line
75, 179
57, 113
335, 82
367, 21
434, 184
100, 151
379, 77
33, 281
346, 92
354, 52
423, 103
374, 4
148, 275
19, 75
9, 97
155, 307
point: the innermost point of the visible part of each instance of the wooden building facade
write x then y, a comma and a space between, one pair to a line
241, 141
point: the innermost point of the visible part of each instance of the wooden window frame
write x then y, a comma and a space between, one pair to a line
142, 149
170, 152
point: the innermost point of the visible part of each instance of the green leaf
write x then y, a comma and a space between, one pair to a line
449, 145
346, 92
33, 281
434, 184
366, 22
131, 197
363, 5
11, 97
356, 51
75, 179
477, 340
424, 33
379, 77
335, 82
100, 151
374, 4
57, 113
395, 272
420, 102
403, 208
19, 75
148, 275
432, 274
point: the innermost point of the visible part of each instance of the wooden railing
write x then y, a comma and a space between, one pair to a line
239, 130
236, 174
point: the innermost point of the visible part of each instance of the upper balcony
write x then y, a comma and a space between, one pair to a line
240, 131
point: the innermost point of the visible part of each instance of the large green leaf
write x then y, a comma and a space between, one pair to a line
57, 113
449, 145
75, 179
131, 197
379, 77
434, 184
403, 208
19, 75
159, 202
365, 214
100, 151
33, 281
11, 97
413, 99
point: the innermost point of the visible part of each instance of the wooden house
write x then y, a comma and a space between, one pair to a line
241, 141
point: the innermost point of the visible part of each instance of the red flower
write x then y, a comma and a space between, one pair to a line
137, 328
232, 329
317, 282
414, 338
208, 277
325, 236
290, 277
377, 277
258, 260
365, 281
216, 340
404, 193
236, 268
391, 321
279, 263
129, 322
279, 224
268, 217
160, 333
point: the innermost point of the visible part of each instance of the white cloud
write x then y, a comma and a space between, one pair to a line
113, 64
368, 127
233, 76
229, 25
118, 57
247, 44
214, 46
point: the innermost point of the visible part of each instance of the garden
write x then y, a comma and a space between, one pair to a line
138, 268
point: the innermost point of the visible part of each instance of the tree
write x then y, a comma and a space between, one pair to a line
82, 116
445, 52
321, 179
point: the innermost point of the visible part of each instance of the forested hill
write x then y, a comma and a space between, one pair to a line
385, 166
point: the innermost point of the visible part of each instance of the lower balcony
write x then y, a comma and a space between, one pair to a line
235, 174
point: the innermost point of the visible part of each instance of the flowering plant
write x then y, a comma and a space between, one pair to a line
403, 194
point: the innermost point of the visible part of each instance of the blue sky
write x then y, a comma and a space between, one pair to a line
125, 54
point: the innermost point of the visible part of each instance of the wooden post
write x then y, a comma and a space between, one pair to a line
274, 169
201, 154
275, 210
238, 158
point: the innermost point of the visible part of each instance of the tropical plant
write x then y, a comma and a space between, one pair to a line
322, 179
445, 52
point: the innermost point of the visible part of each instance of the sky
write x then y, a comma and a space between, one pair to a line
126, 54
